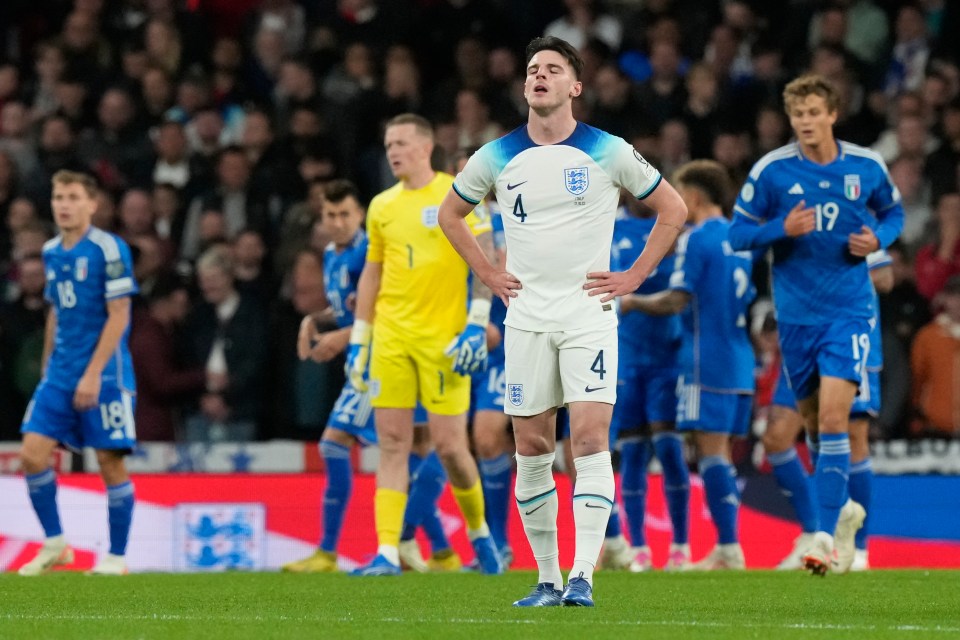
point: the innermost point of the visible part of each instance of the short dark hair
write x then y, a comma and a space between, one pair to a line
564, 48
811, 84
166, 284
421, 124
709, 176
339, 190
85, 180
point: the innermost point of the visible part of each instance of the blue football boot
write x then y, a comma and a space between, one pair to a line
487, 556
379, 566
543, 595
578, 593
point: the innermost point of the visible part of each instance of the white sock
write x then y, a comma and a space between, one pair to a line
592, 503
537, 502
389, 552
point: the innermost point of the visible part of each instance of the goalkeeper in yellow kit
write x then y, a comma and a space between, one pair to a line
421, 338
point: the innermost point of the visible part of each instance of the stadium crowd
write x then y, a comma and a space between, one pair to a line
213, 127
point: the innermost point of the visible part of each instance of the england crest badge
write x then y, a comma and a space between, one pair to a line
851, 186
515, 392
576, 180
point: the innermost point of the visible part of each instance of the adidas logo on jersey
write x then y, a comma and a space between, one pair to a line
796, 189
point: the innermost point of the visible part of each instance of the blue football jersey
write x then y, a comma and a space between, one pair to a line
716, 353
80, 281
815, 277
645, 340
341, 273
876, 260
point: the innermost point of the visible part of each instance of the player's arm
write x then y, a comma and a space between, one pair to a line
662, 303
671, 216
882, 278
49, 335
361, 333
750, 232
87, 392
869, 240
482, 261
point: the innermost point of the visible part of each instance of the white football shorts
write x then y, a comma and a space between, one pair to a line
546, 370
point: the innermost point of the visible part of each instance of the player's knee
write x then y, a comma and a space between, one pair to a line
487, 444
834, 421
32, 461
776, 440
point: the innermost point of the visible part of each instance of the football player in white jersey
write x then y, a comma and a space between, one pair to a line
558, 184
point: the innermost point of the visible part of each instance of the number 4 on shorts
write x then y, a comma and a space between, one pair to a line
597, 366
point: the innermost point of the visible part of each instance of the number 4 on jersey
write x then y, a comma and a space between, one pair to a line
518, 209
597, 366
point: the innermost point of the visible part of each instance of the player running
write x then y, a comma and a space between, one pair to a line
86, 396
711, 285
786, 424
824, 299
558, 184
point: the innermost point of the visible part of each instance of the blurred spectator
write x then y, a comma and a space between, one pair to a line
867, 39
907, 175
175, 166
272, 171
936, 378
700, 109
772, 130
298, 225
136, 216
15, 138
156, 94
57, 150
163, 46
73, 93
118, 152
300, 393
474, 126
241, 208
674, 147
910, 139
942, 163
105, 217
732, 150
19, 213
661, 96
582, 20
163, 384
226, 335
615, 110
911, 50
251, 274
22, 323
296, 87
938, 261
49, 65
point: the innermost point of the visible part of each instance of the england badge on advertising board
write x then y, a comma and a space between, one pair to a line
219, 536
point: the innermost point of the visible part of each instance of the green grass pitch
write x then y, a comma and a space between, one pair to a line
756, 604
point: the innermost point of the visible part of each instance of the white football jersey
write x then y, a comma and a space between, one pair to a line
558, 205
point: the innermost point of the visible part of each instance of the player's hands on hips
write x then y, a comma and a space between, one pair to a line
469, 350
800, 221
611, 284
502, 284
864, 243
87, 393
358, 355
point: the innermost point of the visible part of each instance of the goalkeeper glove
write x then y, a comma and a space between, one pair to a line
469, 349
358, 355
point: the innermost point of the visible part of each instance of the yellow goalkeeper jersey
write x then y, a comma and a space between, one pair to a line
423, 289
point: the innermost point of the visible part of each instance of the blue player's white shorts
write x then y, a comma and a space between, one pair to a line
109, 425
644, 396
353, 414
700, 410
838, 349
488, 387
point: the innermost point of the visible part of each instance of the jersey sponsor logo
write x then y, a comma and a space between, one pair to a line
747, 192
576, 180
515, 391
824, 184
851, 186
80, 269
511, 187
796, 189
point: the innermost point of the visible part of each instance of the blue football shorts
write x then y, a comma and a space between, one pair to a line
838, 349
108, 426
644, 395
701, 410
353, 414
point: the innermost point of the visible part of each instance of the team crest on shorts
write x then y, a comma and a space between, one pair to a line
576, 180
851, 186
515, 391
